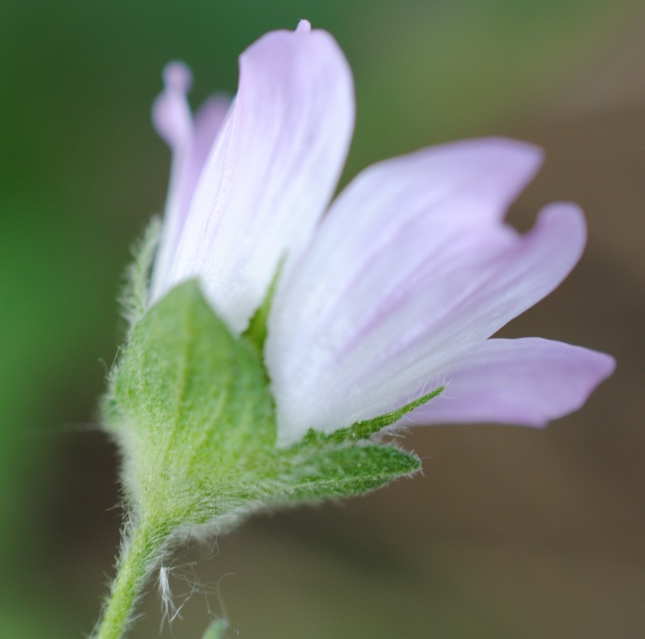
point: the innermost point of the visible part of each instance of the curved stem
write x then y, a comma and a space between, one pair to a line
140, 555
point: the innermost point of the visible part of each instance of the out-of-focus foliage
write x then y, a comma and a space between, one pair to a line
81, 171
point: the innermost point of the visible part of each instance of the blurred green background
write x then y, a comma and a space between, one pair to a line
511, 532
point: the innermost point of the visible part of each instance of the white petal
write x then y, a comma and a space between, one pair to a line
526, 381
272, 172
411, 266
190, 142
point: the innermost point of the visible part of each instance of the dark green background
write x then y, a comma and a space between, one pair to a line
512, 532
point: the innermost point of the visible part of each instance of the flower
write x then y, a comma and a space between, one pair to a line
392, 290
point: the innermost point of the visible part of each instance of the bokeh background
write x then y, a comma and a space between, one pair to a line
511, 532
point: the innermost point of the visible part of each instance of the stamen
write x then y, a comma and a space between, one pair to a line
177, 76
171, 113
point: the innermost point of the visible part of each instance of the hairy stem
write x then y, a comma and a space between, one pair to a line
141, 553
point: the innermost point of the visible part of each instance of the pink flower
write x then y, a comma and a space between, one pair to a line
390, 291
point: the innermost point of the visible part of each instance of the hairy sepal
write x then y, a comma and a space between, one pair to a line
216, 630
136, 291
191, 409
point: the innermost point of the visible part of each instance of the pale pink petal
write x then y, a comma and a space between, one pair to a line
207, 124
526, 381
411, 266
272, 172
190, 142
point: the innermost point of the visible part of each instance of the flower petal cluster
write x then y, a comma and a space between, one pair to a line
388, 292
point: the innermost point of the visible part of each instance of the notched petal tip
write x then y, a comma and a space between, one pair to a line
531, 152
511, 163
529, 382
565, 221
588, 369
568, 214
600, 367
504, 155
605, 366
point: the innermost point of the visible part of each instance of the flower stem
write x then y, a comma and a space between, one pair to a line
140, 554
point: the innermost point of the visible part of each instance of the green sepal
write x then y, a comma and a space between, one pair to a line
196, 414
136, 292
258, 326
364, 429
216, 630
191, 407
348, 470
